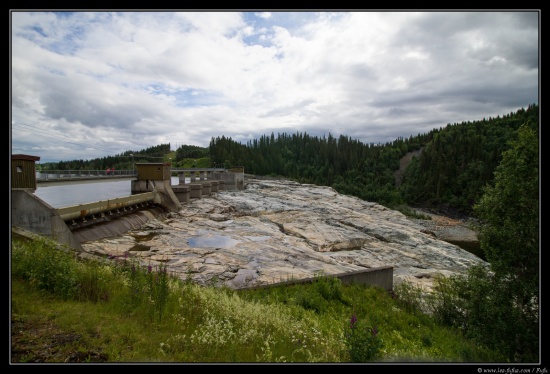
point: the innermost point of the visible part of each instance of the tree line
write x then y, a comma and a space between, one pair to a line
454, 164
124, 161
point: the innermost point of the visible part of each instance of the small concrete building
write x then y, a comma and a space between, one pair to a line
154, 171
23, 172
28, 211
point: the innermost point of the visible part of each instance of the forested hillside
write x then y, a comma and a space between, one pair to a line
460, 159
449, 168
455, 163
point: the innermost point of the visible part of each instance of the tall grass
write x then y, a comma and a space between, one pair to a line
134, 312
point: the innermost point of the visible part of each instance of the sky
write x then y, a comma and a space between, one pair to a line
91, 84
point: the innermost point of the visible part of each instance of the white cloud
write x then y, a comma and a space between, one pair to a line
263, 15
118, 81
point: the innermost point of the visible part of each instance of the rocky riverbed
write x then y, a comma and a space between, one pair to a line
277, 230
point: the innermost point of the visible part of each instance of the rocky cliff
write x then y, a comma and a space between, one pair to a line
277, 230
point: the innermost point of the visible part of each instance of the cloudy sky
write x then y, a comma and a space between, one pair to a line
93, 84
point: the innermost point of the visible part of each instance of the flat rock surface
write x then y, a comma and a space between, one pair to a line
448, 229
277, 230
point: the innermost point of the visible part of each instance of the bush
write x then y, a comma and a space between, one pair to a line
362, 341
46, 267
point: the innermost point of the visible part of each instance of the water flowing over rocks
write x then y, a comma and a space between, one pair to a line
278, 230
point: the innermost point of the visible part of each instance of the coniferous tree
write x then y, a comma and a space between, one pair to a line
510, 212
498, 306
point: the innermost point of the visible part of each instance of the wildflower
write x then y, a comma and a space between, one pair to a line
352, 321
363, 342
374, 331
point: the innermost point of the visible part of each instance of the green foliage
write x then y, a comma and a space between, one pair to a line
203, 163
191, 151
509, 210
460, 160
448, 302
409, 297
148, 286
45, 268
188, 163
488, 313
57, 270
311, 301
363, 342
324, 290
498, 305
142, 314
123, 161
510, 239
49, 267
95, 282
330, 288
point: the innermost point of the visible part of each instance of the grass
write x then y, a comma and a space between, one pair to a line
188, 163
68, 310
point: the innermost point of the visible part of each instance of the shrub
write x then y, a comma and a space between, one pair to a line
46, 267
362, 341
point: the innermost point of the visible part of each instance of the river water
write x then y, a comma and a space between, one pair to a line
63, 195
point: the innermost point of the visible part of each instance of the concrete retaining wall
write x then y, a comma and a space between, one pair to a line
380, 277
31, 213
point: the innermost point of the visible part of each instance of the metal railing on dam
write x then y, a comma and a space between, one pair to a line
63, 175
45, 176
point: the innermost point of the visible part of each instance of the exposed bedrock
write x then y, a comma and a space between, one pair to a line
277, 230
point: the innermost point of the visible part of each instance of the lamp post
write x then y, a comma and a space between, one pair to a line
133, 167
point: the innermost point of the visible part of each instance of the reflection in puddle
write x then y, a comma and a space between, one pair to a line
212, 241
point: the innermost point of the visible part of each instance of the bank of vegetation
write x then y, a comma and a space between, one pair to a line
488, 169
66, 310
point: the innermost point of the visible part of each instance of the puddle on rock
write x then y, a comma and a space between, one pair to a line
216, 241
